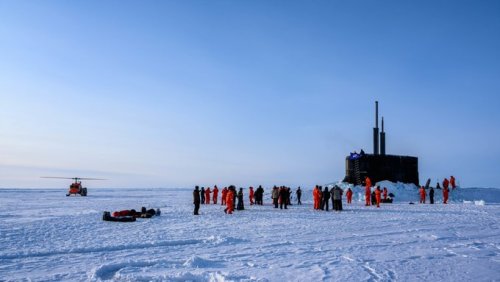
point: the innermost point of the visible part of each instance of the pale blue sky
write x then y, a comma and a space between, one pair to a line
183, 93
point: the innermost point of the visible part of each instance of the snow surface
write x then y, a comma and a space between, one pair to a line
46, 236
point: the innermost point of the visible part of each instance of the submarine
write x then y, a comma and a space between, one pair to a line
380, 166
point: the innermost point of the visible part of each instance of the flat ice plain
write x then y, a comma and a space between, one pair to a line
46, 236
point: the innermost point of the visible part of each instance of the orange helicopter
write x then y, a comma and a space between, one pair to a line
75, 187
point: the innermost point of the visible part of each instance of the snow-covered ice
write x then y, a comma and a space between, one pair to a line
46, 236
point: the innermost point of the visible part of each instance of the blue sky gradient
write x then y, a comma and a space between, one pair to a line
183, 93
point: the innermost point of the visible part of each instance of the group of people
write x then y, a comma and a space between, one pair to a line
446, 191
205, 195
255, 197
321, 197
282, 196
232, 199
376, 196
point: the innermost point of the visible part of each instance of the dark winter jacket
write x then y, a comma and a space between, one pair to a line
326, 194
259, 192
284, 194
196, 196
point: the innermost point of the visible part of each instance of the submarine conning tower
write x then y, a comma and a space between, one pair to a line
379, 166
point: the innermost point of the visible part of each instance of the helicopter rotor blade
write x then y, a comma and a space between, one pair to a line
90, 178
57, 177
74, 178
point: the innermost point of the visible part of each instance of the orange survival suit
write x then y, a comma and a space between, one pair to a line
452, 182
317, 197
349, 195
229, 201
445, 195
250, 195
368, 185
422, 195
215, 194
207, 196
224, 194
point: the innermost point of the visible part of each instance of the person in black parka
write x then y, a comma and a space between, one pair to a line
299, 194
431, 195
202, 194
259, 194
284, 194
332, 191
325, 199
240, 205
196, 200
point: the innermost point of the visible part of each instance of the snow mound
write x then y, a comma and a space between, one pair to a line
479, 203
218, 240
115, 270
204, 276
165, 271
199, 262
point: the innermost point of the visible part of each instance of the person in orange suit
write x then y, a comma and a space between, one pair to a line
229, 200
224, 194
446, 183
207, 196
250, 195
349, 195
368, 192
384, 193
215, 193
318, 196
452, 182
378, 193
445, 194
368, 181
422, 195
315, 197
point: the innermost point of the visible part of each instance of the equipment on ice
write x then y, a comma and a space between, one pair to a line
76, 187
130, 215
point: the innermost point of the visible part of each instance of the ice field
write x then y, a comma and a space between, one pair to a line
46, 236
